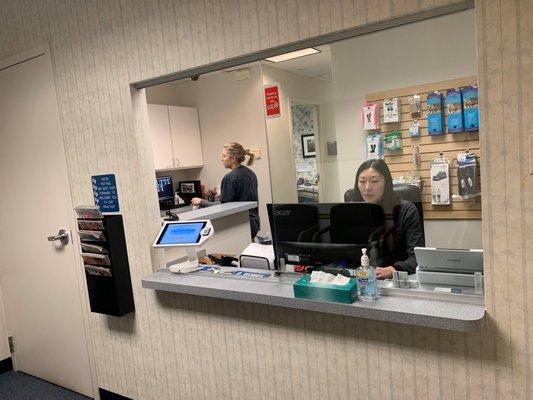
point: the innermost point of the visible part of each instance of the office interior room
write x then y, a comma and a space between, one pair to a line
223, 348
320, 95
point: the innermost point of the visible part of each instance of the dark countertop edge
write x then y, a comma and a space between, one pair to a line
430, 321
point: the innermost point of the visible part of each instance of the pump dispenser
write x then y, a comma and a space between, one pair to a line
366, 279
365, 261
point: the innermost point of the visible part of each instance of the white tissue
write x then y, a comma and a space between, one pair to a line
321, 277
341, 280
324, 277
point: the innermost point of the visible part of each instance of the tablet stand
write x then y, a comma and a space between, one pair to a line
190, 265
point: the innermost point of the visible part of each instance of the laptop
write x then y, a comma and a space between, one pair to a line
449, 260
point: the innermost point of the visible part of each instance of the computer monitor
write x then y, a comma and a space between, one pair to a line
325, 233
165, 192
165, 189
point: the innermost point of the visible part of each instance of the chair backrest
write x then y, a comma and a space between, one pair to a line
406, 191
355, 222
349, 195
413, 194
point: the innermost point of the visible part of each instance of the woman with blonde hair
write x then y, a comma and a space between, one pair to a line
240, 184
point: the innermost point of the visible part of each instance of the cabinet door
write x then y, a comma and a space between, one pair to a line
186, 141
160, 136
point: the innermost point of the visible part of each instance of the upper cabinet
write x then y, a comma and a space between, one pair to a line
160, 136
185, 132
175, 135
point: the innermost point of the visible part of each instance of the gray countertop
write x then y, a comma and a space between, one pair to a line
213, 212
455, 312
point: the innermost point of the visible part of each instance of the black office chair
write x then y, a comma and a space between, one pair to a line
413, 194
406, 191
358, 223
349, 195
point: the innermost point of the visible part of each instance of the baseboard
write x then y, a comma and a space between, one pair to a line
6, 365
107, 395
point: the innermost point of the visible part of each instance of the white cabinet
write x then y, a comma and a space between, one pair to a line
175, 136
185, 132
160, 136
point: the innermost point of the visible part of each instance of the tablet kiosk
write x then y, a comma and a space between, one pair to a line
188, 234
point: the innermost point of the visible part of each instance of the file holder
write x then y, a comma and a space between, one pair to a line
111, 294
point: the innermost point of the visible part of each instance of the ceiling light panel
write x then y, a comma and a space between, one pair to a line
292, 55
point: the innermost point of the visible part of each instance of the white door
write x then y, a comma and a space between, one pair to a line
186, 140
160, 136
40, 280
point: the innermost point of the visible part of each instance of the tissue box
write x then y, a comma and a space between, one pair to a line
304, 289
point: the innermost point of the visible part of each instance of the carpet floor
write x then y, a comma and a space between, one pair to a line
20, 386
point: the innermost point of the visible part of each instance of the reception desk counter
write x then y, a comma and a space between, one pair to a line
231, 223
436, 310
214, 212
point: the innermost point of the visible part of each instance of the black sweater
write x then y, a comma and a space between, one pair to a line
407, 235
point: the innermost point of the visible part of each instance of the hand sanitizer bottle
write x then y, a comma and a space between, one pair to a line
366, 279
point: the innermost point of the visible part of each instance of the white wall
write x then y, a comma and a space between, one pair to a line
229, 110
293, 86
392, 59
99, 48
4, 348
463, 234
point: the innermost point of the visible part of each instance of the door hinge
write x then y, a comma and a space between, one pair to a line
11, 344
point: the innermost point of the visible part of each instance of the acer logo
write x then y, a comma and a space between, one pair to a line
282, 213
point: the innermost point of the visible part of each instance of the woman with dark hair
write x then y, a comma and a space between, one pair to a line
373, 184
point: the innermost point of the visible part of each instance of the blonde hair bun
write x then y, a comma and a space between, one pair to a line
237, 151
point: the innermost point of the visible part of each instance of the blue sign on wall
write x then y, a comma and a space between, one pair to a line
105, 192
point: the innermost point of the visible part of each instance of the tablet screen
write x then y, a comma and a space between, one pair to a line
181, 233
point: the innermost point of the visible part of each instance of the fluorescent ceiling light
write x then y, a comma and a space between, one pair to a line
293, 54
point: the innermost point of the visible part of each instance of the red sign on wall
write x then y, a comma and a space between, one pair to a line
272, 101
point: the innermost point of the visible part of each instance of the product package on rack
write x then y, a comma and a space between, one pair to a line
411, 178
435, 114
393, 141
467, 175
417, 159
415, 105
391, 110
370, 116
470, 108
414, 128
374, 147
454, 110
440, 182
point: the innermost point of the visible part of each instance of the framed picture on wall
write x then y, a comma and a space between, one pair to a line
308, 146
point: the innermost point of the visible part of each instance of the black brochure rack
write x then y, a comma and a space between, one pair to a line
110, 293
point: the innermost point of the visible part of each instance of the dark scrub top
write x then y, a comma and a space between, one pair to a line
407, 235
240, 185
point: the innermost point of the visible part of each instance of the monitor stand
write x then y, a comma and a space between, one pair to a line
167, 204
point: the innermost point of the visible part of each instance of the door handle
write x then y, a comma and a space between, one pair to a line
62, 236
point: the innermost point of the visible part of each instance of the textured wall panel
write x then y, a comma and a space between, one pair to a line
195, 348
